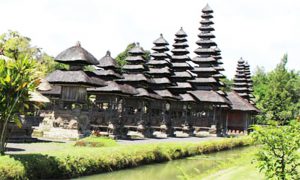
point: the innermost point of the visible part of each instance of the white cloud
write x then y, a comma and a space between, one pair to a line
259, 31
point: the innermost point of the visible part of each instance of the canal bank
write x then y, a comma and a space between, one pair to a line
220, 165
73, 161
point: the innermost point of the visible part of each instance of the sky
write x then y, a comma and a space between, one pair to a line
260, 31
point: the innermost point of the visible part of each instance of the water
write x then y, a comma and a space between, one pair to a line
171, 170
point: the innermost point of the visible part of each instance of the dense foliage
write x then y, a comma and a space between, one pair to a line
79, 161
277, 93
17, 78
278, 156
16, 46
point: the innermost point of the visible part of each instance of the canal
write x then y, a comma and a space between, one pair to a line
172, 170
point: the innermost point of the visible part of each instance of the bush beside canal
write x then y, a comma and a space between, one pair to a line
79, 161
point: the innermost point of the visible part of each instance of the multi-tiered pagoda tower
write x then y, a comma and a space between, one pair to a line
240, 84
160, 72
180, 87
249, 83
135, 118
207, 84
108, 109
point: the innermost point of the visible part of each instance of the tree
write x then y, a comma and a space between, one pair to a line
228, 84
277, 93
16, 46
17, 78
278, 156
121, 58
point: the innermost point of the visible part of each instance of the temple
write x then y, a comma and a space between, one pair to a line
168, 95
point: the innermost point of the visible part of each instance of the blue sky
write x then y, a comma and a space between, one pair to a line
259, 31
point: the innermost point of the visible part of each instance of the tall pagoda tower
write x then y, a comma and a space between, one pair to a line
108, 108
249, 82
180, 86
136, 119
160, 73
207, 84
180, 66
208, 56
240, 84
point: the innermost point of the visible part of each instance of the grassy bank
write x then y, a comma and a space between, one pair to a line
79, 161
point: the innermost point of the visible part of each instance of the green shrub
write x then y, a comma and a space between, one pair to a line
79, 161
94, 141
11, 169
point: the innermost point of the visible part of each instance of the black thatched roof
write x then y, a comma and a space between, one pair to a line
181, 33
164, 70
137, 50
129, 67
209, 96
133, 78
157, 62
107, 61
73, 78
203, 80
207, 9
137, 58
183, 74
76, 55
105, 73
55, 90
240, 104
162, 80
181, 85
113, 87
161, 41
144, 93
203, 69
166, 94
187, 98
204, 59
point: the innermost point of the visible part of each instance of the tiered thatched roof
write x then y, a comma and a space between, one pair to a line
208, 63
160, 69
135, 73
242, 84
240, 104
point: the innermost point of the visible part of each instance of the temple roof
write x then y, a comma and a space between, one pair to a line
137, 50
73, 77
76, 55
209, 96
161, 41
144, 93
113, 87
186, 97
181, 33
107, 61
240, 104
207, 9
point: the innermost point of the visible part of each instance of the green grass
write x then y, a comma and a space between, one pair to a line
74, 161
93, 141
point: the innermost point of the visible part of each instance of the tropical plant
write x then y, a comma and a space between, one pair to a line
277, 93
278, 157
17, 78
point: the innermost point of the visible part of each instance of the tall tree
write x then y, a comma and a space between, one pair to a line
16, 46
278, 93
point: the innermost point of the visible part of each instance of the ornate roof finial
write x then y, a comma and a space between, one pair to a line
161, 35
78, 44
137, 44
108, 53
